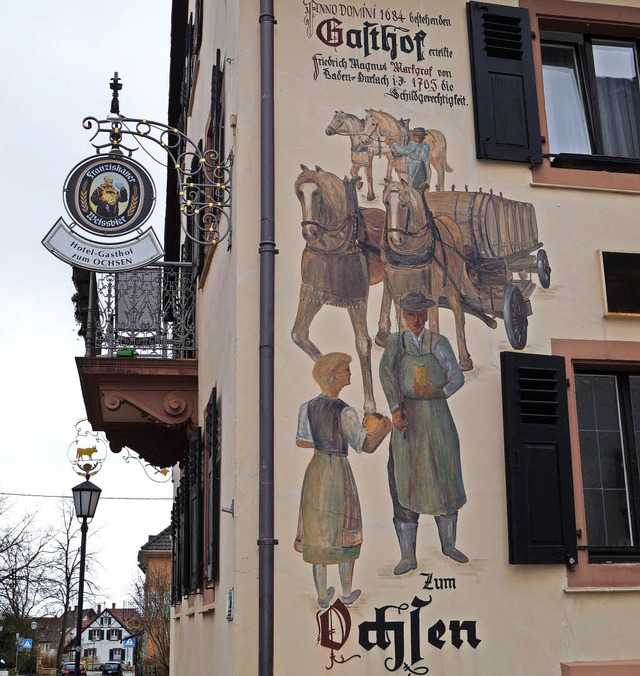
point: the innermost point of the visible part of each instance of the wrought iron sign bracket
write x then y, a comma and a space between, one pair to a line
203, 178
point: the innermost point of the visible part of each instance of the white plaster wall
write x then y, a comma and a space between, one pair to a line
520, 611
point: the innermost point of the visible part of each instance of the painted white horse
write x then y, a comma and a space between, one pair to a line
378, 126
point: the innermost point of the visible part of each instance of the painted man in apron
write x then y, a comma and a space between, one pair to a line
330, 522
418, 372
417, 152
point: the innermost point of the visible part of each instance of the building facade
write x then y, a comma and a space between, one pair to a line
469, 168
103, 638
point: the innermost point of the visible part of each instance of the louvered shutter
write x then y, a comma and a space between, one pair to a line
175, 551
102, 634
213, 486
195, 510
217, 120
504, 87
185, 547
540, 508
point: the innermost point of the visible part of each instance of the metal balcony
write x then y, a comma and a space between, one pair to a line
148, 313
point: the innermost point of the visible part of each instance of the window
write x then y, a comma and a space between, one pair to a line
604, 414
608, 406
116, 654
592, 97
95, 634
556, 85
187, 523
115, 634
105, 621
90, 652
621, 274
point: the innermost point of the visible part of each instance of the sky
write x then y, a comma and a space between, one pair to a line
57, 59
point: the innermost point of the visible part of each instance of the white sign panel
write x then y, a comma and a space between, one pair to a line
67, 245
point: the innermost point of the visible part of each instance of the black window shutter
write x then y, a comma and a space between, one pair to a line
119, 634
504, 87
540, 507
217, 119
185, 541
102, 634
213, 486
195, 510
175, 551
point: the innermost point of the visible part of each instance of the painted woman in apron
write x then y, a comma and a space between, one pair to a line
418, 372
330, 522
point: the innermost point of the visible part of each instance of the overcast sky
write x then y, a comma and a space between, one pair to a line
57, 59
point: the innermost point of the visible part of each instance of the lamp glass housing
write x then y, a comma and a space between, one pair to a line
85, 498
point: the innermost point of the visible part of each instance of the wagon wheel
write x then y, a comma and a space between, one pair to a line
514, 313
543, 269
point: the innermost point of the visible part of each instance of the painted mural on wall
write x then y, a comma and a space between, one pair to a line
392, 626
330, 521
387, 212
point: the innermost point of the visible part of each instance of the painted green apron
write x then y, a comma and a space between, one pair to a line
426, 456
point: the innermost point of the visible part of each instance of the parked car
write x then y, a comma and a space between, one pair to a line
112, 668
69, 668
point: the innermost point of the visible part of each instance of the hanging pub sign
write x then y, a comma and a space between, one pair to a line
107, 197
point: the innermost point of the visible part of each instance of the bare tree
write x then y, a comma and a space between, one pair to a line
17, 537
64, 570
152, 598
22, 564
22, 569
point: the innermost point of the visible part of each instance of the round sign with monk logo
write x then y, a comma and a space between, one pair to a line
109, 195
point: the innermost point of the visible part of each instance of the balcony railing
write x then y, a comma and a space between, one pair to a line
149, 312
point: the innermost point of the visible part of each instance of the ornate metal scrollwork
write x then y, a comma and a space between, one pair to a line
158, 474
203, 177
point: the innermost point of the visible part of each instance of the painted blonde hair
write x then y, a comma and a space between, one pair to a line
326, 366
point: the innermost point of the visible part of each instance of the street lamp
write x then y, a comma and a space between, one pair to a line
34, 626
85, 498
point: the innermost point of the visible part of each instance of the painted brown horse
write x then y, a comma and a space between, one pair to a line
340, 261
423, 253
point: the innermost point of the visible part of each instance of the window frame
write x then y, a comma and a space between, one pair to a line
629, 553
603, 356
582, 45
613, 22
607, 311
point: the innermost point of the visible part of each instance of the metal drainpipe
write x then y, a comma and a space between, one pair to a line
267, 250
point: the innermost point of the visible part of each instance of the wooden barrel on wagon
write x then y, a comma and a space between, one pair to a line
492, 226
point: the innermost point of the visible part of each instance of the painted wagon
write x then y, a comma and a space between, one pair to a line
501, 252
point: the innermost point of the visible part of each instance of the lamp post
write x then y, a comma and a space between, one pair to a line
85, 498
34, 626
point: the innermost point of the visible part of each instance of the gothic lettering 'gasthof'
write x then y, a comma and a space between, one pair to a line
373, 37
